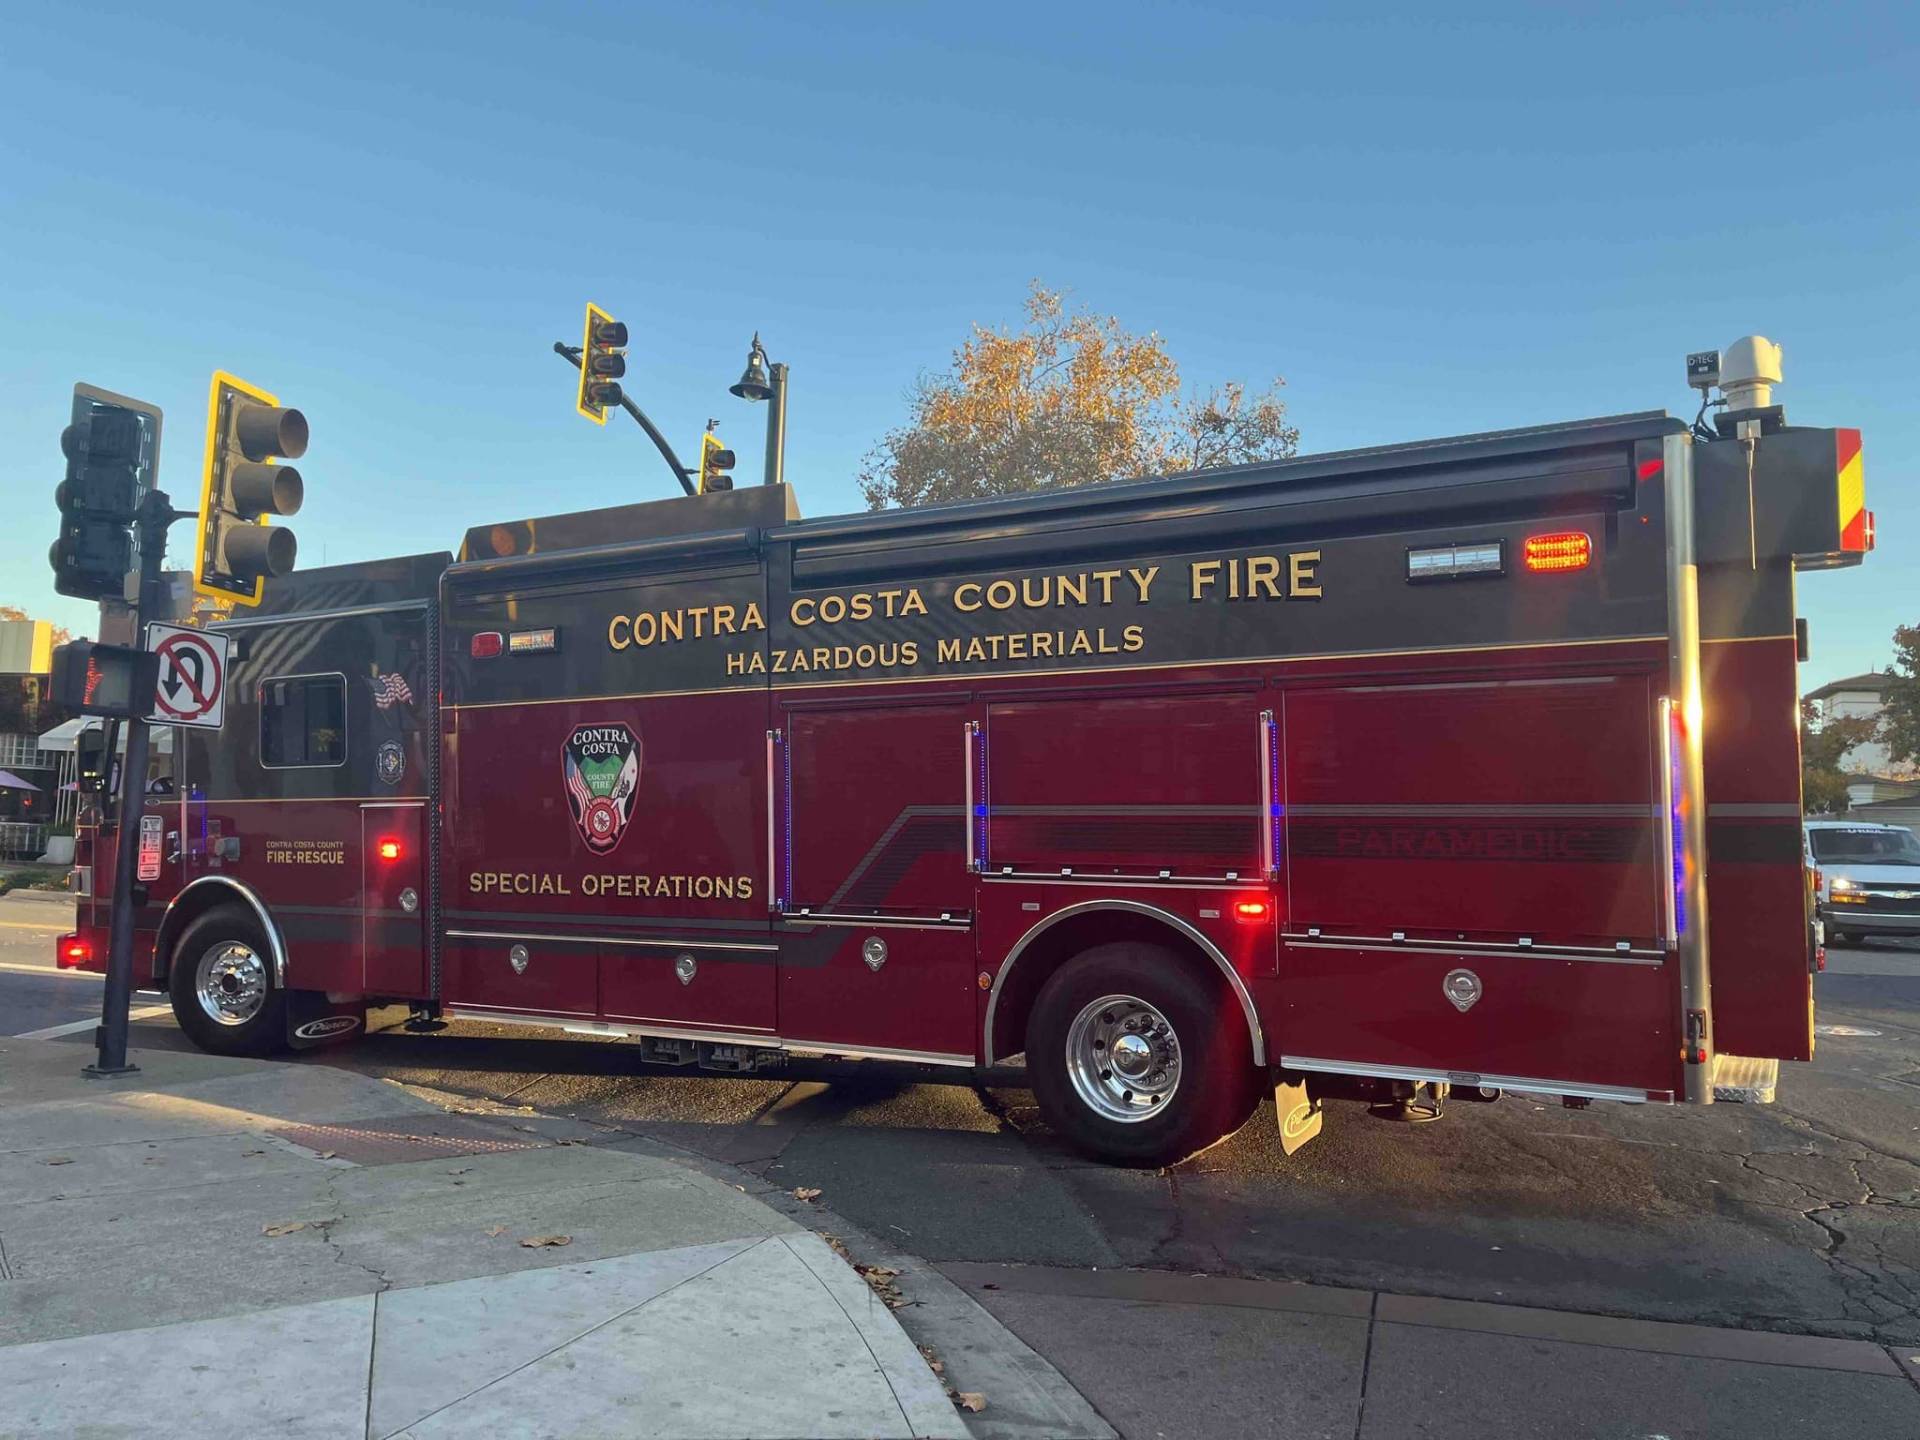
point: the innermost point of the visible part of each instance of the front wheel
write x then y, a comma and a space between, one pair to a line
221, 983
1136, 1060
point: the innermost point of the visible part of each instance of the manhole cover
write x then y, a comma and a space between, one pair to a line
1842, 1030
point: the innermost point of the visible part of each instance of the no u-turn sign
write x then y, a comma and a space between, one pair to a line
192, 688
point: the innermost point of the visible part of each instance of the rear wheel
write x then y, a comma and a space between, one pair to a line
1137, 1060
221, 982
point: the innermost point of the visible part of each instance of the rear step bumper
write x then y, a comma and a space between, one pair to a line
1745, 1079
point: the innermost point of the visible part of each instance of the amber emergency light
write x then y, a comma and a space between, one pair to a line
1562, 550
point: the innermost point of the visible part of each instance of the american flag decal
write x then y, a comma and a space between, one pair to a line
390, 690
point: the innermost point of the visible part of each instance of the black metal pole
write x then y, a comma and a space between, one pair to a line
111, 1037
776, 424
571, 353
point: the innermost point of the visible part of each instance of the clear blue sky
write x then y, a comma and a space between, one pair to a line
1434, 221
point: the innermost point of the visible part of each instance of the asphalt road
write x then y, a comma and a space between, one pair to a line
1801, 1216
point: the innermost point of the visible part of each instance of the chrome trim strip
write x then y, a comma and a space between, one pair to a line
1525, 952
1207, 947
665, 943
1263, 728
393, 804
293, 617
967, 733
1767, 812
874, 1052
797, 918
773, 871
586, 1025
1525, 1083
1169, 882
1683, 685
641, 1025
275, 943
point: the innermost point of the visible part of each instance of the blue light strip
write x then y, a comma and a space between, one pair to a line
1276, 812
1676, 780
980, 806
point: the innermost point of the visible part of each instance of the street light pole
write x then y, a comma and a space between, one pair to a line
767, 382
776, 424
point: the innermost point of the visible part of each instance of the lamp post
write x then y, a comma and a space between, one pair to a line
765, 381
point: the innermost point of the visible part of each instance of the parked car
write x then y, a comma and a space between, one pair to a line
1869, 878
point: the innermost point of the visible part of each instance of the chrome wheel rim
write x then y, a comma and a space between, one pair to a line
231, 983
1123, 1059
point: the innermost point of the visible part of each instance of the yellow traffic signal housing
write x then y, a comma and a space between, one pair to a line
602, 362
715, 461
237, 549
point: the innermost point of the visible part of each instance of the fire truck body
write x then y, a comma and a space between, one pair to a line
1370, 773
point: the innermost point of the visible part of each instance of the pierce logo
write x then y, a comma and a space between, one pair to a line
601, 767
329, 1025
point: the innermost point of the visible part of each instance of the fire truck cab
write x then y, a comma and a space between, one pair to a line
1456, 767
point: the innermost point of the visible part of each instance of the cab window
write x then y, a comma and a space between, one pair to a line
303, 721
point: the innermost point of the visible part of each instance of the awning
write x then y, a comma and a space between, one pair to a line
65, 737
11, 781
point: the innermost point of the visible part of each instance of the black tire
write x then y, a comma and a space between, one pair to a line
250, 1028
1217, 1084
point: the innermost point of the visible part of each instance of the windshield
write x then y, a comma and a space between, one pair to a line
1867, 847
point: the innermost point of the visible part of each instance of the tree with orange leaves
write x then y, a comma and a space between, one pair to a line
1071, 398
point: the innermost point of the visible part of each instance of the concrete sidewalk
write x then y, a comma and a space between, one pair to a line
225, 1248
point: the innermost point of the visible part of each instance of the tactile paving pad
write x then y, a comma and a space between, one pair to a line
404, 1138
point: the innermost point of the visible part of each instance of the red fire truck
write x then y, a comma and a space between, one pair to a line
1458, 767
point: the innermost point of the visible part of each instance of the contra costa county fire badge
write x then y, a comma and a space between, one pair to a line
602, 769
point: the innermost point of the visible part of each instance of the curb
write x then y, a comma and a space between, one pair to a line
55, 897
1662, 1337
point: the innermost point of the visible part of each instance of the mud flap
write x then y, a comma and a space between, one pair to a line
313, 1019
1299, 1114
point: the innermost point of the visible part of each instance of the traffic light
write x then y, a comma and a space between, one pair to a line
715, 461
112, 447
104, 679
602, 362
247, 431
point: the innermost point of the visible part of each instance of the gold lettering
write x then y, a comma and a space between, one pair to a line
613, 637
1263, 573
1104, 579
1143, 580
1201, 574
960, 593
1302, 583
805, 603
1000, 594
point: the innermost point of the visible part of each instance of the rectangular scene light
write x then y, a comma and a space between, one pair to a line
1451, 562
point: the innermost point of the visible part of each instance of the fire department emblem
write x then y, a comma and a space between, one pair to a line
602, 771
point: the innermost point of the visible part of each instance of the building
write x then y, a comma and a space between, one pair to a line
29, 776
1873, 777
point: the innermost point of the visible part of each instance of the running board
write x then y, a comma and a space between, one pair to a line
1744, 1079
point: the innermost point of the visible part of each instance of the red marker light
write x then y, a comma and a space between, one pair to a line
486, 645
72, 951
1250, 909
1562, 550
1650, 468
389, 849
